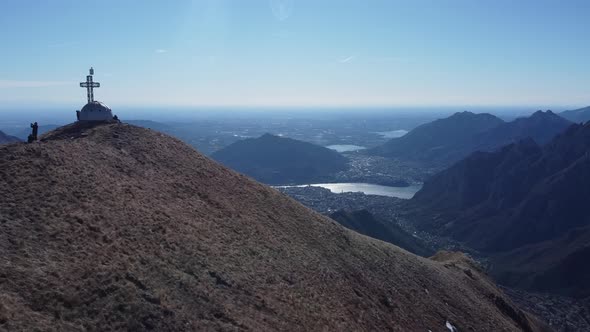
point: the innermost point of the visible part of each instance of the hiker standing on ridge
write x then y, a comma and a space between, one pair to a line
33, 135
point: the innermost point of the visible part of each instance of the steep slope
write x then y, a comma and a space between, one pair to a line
558, 266
5, 139
579, 115
122, 228
519, 195
471, 181
525, 205
277, 160
365, 223
441, 141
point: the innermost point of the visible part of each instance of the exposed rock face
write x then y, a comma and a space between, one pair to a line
115, 227
278, 160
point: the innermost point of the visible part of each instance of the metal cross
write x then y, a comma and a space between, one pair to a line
90, 85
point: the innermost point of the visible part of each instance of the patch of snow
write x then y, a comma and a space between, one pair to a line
451, 327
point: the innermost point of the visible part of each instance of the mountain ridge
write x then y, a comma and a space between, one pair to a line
514, 178
440, 140
522, 201
5, 138
117, 227
446, 141
577, 115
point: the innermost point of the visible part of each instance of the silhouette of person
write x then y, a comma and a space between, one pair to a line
35, 127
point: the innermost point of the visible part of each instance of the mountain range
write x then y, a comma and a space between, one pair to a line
445, 141
577, 115
115, 227
278, 160
525, 204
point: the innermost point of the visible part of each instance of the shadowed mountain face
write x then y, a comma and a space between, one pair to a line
579, 115
448, 140
522, 195
519, 195
277, 160
365, 223
542, 127
4, 139
116, 227
558, 265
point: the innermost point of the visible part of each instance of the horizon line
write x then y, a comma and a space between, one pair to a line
201, 107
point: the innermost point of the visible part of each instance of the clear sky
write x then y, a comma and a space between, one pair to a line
296, 52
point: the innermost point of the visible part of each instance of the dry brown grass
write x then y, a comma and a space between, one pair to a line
121, 228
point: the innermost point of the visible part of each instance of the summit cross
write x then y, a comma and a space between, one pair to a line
90, 85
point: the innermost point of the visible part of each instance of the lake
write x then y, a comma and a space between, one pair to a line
345, 147
392, 133
369, 189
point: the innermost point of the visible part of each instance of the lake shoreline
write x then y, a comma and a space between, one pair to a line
405, 192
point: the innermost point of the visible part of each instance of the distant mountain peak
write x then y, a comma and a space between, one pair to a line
280, 160
463, 113
448, 140
520, 200
269, 136
441, 141
547, 113
469, 113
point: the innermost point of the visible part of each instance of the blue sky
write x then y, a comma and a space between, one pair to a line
296, 52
